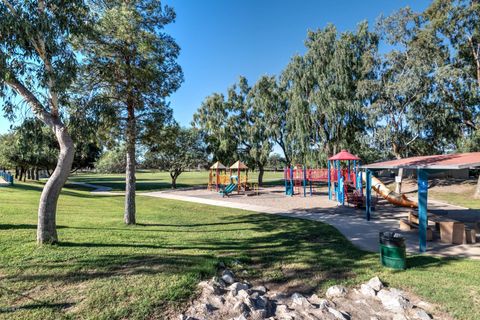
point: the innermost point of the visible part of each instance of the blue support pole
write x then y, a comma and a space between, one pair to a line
285, 176
422, 179
329, 183
304, 181
292, 185
368, 196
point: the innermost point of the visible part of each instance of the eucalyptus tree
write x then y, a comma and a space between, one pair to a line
38, 65
413, 119
458, 22
247, 120
211, 119
329, 90
131, 69
176, 150
270, 98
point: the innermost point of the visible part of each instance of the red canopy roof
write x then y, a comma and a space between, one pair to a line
344, 155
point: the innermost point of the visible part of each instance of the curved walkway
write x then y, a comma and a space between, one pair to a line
350, 222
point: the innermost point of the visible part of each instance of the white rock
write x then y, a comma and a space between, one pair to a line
393, 300
338, 314
322, 303
243, 294
421, 314
260, 289
241, 308
237, 286
336, 291
375, 283
366, 290
299, 300
228, 276
399, 316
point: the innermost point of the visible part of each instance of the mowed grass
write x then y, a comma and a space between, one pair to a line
157, 180
103, 269
464, 199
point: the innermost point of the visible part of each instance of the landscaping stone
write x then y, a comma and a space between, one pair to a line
419, 313
338, 314
336, 291
260, 289
366, 290
375, 283
393, 300
228, 276
241, 301
236, 287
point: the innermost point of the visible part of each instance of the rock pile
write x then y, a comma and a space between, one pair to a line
226, 298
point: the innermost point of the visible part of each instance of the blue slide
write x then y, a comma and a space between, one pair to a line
230, 188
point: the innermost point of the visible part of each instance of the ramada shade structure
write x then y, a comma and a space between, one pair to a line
238, 165
218, 165
344, 155
423, 165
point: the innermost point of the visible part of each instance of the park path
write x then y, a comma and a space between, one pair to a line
351, 223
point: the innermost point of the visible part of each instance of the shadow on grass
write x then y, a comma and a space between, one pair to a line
300, 255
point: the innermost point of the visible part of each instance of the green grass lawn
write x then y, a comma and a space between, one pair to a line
156, 180
103, 269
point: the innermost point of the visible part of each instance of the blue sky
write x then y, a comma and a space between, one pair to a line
222, 39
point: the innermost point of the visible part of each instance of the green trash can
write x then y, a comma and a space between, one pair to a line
392, 251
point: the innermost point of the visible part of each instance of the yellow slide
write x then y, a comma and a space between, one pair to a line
391, 196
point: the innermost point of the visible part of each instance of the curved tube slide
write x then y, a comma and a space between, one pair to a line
391, 196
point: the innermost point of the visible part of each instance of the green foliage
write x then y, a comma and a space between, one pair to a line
112, 161
106, 270
130, 64
176, 150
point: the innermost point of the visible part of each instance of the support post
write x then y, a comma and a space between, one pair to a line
304, 181
368, 195
285, 176
348, 171
292, 184
422, 179
329, 181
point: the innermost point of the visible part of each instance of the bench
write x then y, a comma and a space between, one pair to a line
451, 230
406, 225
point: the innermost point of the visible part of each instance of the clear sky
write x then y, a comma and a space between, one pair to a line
222, 39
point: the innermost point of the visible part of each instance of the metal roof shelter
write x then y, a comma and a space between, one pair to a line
423, 165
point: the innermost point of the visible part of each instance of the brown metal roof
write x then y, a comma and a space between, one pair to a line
238, 165
439, 162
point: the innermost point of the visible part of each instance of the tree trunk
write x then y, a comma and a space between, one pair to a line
28, 174
174, 182
47, 209
16, 173
129, 215
261, 171
477, 190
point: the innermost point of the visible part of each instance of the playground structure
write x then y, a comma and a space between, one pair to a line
344, 182
7, 177
236, 179
217, 176
392, 197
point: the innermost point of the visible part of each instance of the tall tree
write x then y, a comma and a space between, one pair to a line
458, 22
38, 64
176, 150
131, 67
328, 91
211, 119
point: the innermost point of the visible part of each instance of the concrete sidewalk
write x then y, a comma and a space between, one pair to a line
350, 222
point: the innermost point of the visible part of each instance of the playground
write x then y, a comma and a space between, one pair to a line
341, 195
